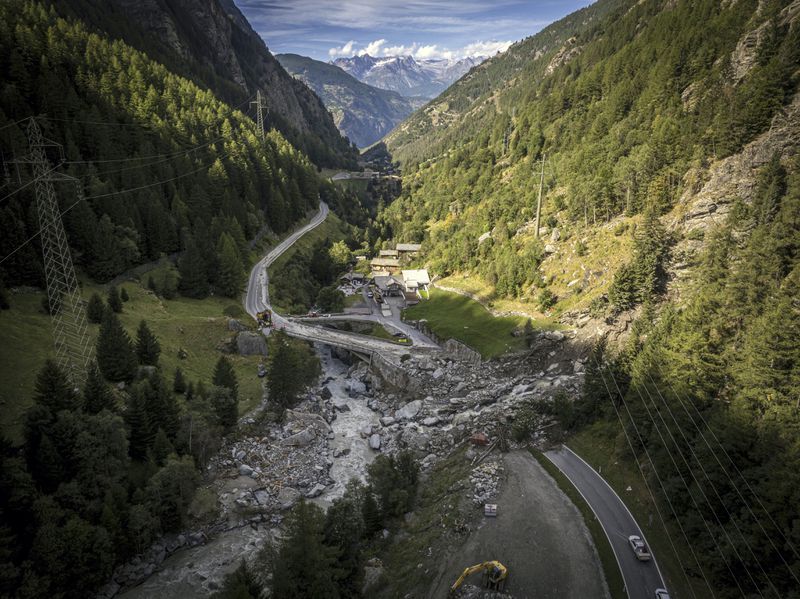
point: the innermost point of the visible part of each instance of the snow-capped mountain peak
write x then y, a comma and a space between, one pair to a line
406, 75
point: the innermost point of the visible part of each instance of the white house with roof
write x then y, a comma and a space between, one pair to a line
415, 280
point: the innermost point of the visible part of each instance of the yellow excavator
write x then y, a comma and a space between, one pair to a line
494, 575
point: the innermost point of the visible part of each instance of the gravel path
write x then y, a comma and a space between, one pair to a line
538, 534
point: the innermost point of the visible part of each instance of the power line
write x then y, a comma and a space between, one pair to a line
730, 478
699, 486
104, 195
658, 479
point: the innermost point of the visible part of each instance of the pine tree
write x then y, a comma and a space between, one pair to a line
230, 276
224, 376
179, 383
147, 346
240, 584
291, 367
225, 407
162, 448
194, 281
115, 356
96, 394
123, 294
53, 390
162, 406
304, 566
371, 513
95, 309
140, 427
114, 301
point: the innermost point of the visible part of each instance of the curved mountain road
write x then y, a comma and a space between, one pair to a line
257, 299
641, 578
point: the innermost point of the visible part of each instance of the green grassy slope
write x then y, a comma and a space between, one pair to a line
196, 326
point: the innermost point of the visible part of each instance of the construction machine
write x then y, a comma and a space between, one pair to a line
264, 318
494, 575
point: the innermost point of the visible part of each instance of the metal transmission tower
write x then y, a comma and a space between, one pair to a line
259, 114
64, 294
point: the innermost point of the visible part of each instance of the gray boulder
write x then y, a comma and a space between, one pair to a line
288, 497
236, 326
326, 393
249, 343
375, 441
301, 439
409, 411
245, 470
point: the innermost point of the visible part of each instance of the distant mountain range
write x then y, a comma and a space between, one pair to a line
361, 112
425, 78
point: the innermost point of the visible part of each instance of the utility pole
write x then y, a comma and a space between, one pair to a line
539, 202
63, 292
259, 114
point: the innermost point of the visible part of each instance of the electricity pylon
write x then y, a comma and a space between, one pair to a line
63, 292
259, 114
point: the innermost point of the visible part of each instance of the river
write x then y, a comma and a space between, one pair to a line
198, 571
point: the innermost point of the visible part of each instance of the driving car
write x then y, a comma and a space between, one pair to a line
639, 548
662, 594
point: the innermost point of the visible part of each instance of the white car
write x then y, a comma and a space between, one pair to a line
639, 548
662, 594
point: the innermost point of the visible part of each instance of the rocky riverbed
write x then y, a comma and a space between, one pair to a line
330, 438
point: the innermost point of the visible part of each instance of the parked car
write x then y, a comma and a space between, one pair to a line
369, 294
639, 548
662, 594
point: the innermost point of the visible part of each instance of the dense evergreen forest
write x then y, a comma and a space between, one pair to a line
160, 168
622, 109
709, 396
228, 58
628, 109
165, 166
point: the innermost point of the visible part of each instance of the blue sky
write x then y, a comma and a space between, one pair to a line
326, 29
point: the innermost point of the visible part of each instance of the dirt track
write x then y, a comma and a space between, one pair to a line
538, 534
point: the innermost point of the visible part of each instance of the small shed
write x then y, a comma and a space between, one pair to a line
412, 248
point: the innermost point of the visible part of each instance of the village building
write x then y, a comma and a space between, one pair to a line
353, 278
389, 285
415, 280
409, 248
390, 264
388, 253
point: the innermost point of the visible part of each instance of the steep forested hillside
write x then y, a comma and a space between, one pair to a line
363, 113
164, 165
623, 109
665, 136
211, 43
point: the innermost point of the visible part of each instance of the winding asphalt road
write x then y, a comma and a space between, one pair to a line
257, 299
641, 578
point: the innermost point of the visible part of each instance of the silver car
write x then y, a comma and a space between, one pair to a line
662, 594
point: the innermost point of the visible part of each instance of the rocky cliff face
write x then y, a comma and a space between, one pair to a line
361, 112
211, 42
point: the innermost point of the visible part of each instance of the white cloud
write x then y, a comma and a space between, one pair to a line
378, 48
484, 48
373, 48
346, 50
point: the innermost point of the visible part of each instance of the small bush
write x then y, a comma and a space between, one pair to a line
547, 299
696, 235
581, 249
233, 310
620, 228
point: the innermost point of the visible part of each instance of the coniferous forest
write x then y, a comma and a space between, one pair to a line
615, 119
